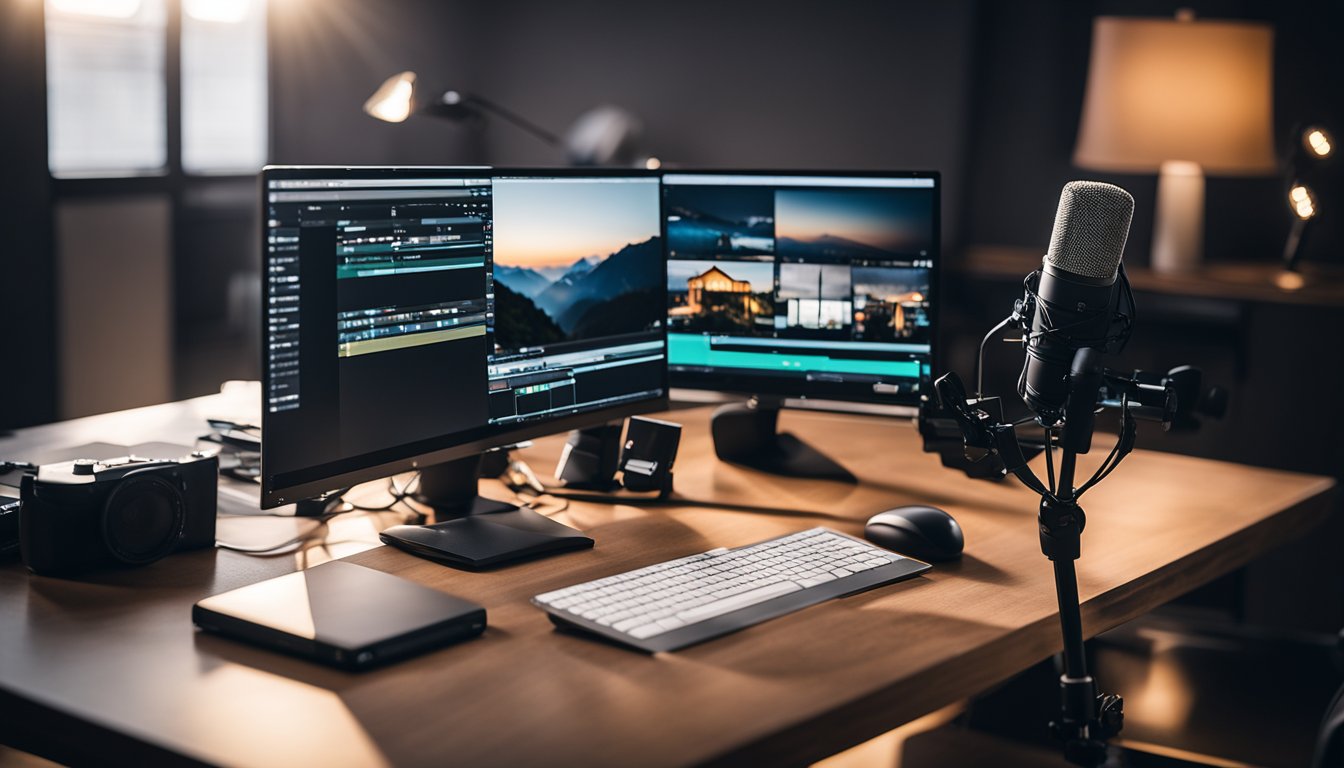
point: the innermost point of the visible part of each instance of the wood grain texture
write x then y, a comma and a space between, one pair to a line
117, 654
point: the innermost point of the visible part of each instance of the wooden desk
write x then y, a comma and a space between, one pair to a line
109, 668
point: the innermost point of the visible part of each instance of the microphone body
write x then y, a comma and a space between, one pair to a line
1072, 312
1075, 297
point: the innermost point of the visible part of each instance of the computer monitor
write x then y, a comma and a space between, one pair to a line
416, 317
811, 285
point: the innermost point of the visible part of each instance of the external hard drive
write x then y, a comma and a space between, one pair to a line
341, 614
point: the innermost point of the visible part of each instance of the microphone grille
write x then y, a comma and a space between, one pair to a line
1091, 227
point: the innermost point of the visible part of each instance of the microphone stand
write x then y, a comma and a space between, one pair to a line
990, 448
1087, 720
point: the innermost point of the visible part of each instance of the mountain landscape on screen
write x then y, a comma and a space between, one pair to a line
592, 297
528, 282
829, 247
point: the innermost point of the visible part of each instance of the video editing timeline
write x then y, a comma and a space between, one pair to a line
431, 225
440, 310
816, 285
412, 237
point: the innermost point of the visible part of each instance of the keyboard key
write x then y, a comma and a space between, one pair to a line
648, 630
758, 595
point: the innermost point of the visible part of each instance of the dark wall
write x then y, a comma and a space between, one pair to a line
27, 275
1027, 100
328, 57
864, 85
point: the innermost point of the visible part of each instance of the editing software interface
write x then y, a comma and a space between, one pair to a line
408, 313
801, 285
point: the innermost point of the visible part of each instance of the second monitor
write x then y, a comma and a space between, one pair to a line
817, 286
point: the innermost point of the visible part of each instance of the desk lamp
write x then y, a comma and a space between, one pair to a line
1183, 98
605, 135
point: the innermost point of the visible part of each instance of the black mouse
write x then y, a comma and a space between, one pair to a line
924, 533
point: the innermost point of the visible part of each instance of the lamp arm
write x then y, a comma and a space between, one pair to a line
1292, 249
485, 105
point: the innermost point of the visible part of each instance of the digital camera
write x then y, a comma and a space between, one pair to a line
84, 514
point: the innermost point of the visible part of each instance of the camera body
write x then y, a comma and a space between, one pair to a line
84, 514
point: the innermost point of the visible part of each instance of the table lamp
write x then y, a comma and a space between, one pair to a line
1183, 98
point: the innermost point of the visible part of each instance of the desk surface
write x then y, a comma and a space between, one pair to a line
111, 666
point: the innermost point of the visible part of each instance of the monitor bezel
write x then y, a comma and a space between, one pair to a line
274, 496
758, 385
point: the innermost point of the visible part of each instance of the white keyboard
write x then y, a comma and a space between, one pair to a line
681, 602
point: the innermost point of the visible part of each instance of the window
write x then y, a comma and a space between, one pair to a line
108, 86
223, 86
105, 87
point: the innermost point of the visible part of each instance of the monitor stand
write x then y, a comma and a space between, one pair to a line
747, 434
475, 532
451, 489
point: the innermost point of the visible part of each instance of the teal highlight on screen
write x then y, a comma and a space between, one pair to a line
694, 349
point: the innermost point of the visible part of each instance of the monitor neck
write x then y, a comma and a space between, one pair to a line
451, 489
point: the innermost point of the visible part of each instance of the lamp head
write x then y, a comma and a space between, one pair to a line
605, 135
1317, 142
1301, 201
394, 101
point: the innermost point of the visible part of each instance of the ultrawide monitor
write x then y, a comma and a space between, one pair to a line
801, 284
419, 315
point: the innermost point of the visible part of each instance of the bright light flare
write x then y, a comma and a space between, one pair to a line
394, 99
103, 9
1289, 281
218, 11
1299, 197
1317, 142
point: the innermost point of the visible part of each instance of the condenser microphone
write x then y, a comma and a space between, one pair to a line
1075, 297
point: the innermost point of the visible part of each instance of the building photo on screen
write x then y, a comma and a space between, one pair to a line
804, 284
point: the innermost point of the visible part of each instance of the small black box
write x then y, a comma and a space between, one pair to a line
647, 456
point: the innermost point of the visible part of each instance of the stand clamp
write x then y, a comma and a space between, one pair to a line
1061, 528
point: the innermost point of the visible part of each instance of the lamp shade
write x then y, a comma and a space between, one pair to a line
1163, 90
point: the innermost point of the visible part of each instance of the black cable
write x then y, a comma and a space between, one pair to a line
1050, 458
398, 496
1113, 458
980, 357
674, 500
284, 547
530, 502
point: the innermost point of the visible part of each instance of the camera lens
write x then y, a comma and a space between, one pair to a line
143, 519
